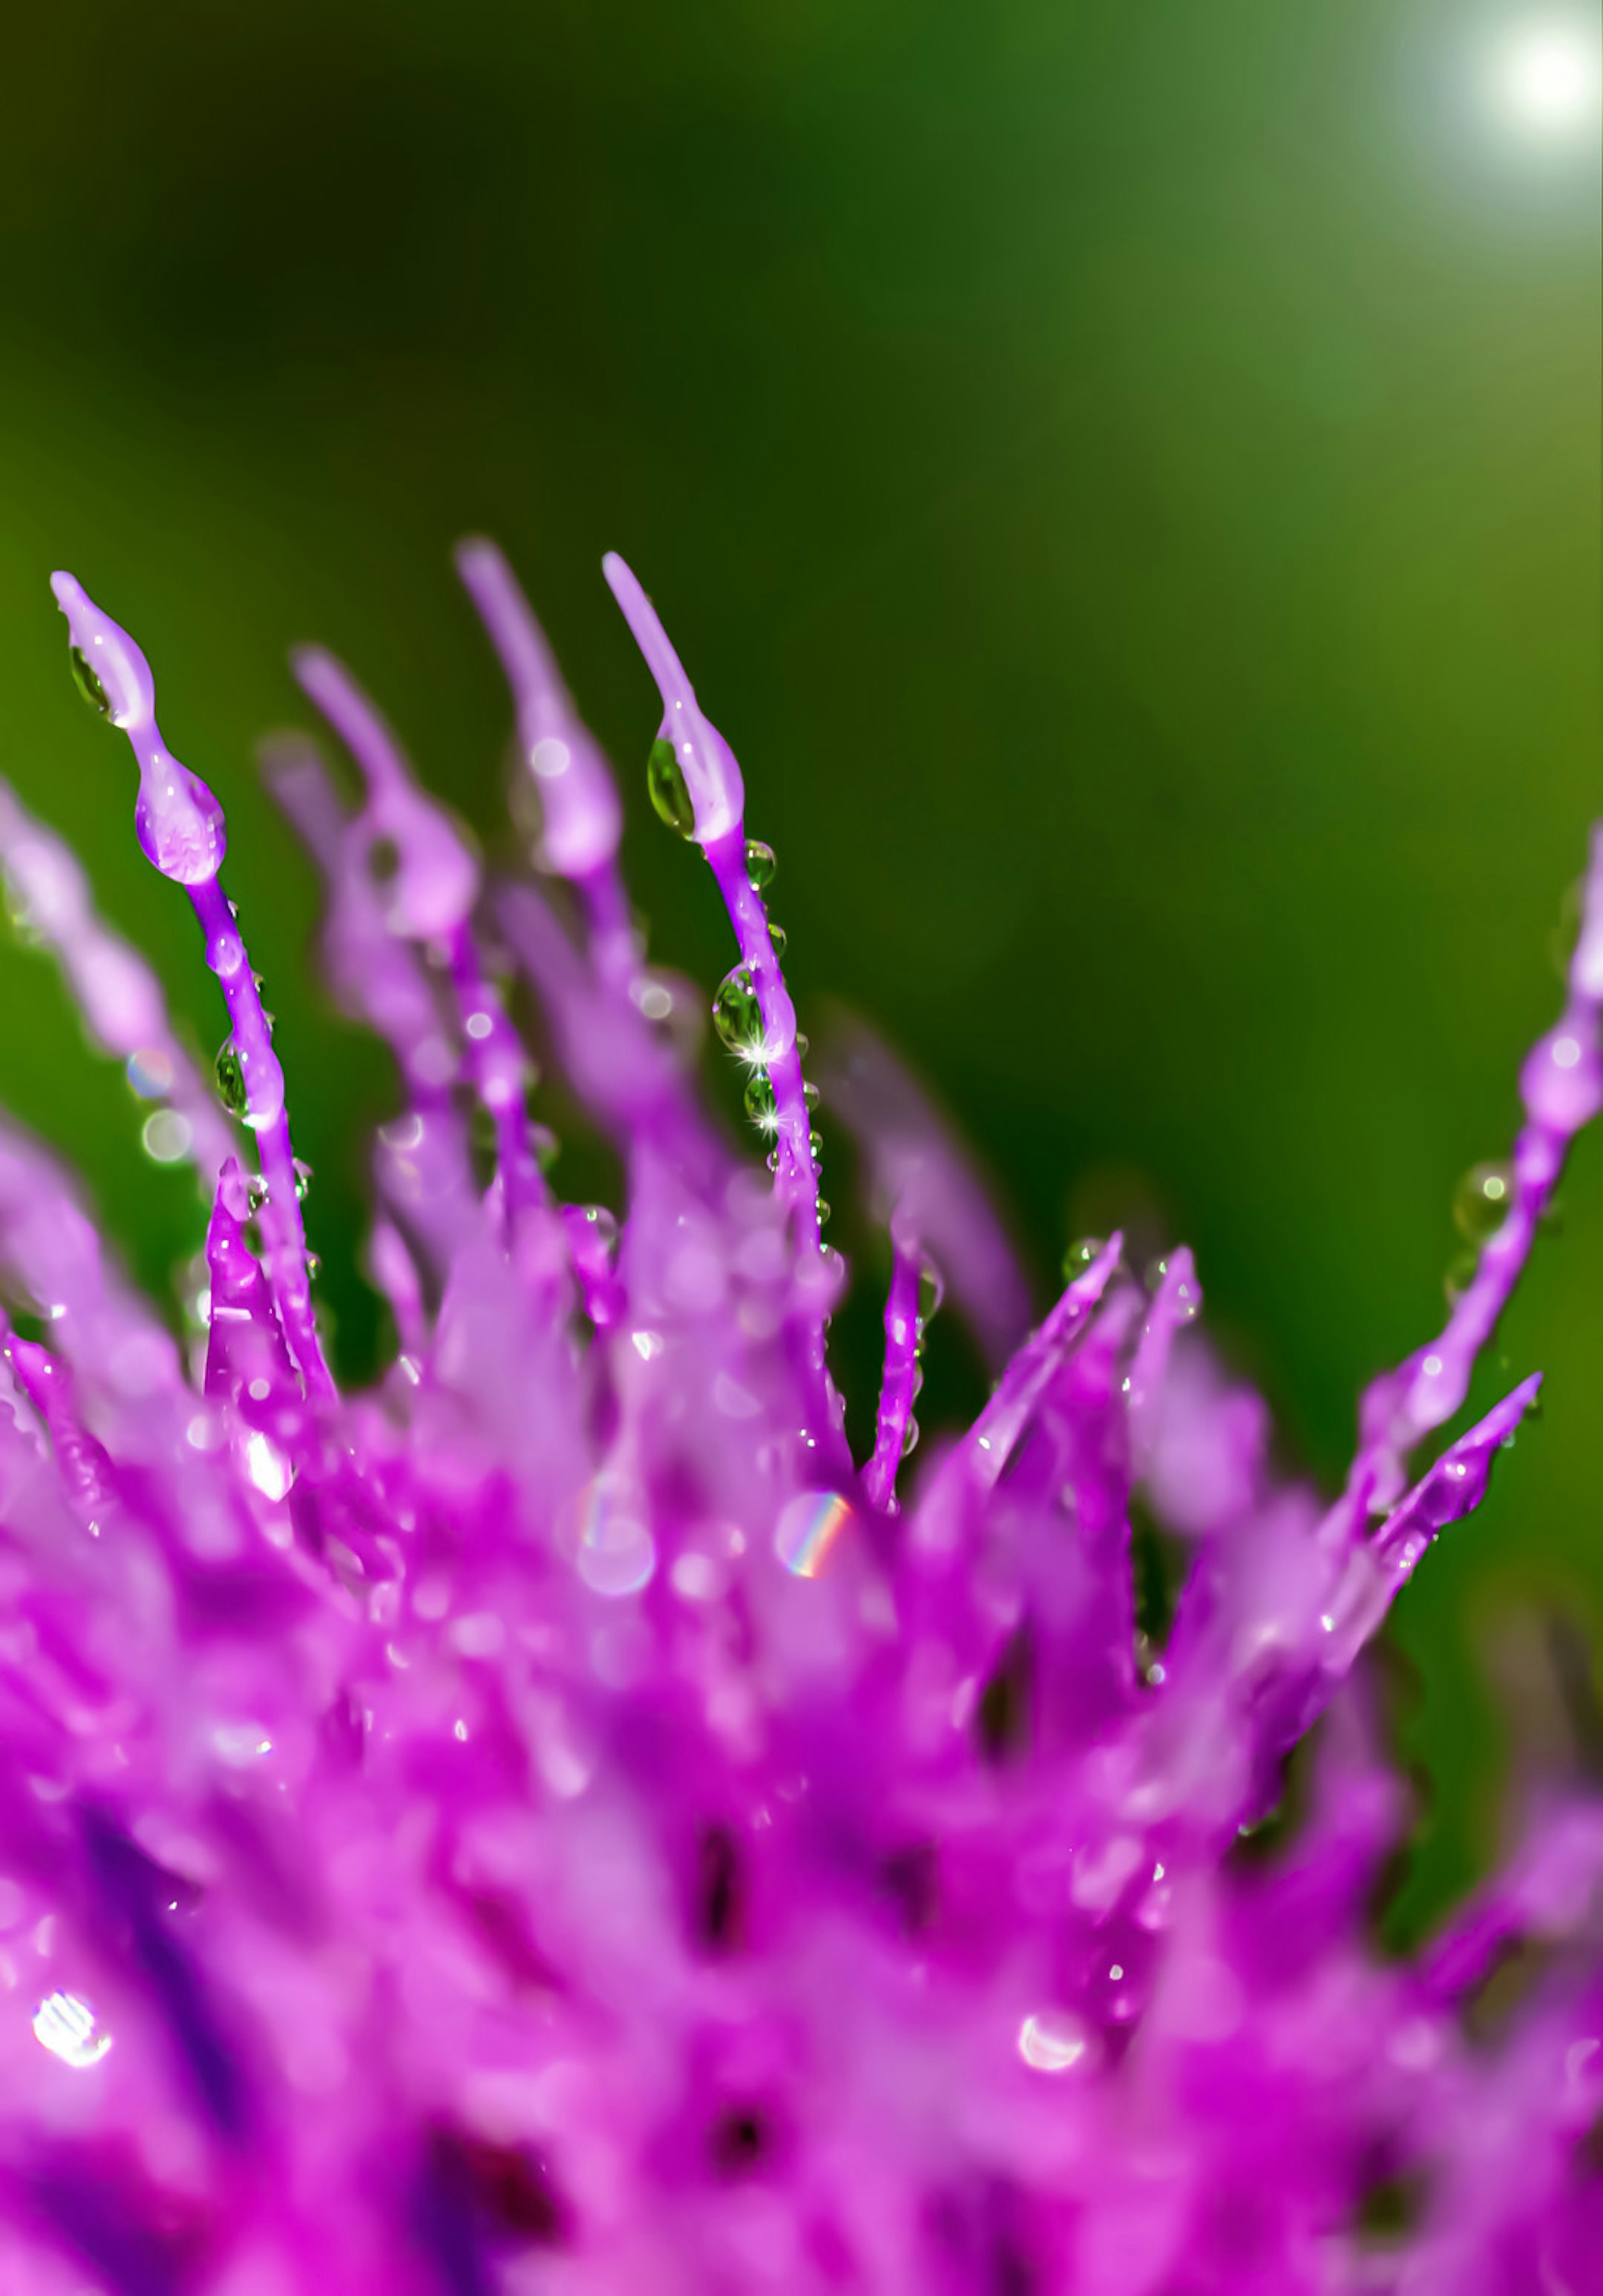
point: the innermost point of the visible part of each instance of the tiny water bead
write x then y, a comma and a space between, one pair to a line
230, 1072
760, 865
810, 1092
781, 939
86, 679
760, 1104
303, 1181
1481, 1200
668, 791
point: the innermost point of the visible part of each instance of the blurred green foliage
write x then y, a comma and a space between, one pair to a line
1123, 479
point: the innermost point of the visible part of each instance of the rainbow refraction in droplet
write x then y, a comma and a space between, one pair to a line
807, 1528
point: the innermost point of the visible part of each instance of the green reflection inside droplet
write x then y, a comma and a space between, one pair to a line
666, 784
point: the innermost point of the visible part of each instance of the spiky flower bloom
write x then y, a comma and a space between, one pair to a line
554, 1822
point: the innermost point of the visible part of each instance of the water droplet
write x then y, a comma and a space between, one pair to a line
760, 1105
808, 1526
803, 1047
909, 1439
824, 1211
303, 1181
255, 1191
932, 1291
615, 1555
231, 1079
543, 1145
1481, 1200
737, 1016
760, 865
602, 1223
21, 918
778, 935
1080, 1256
86, 679
665, 784
1460, 1277
816, 1143
314, 1267
810, 1093
1053, 2042
773, 1160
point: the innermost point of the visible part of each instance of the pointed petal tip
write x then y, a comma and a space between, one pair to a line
470, 551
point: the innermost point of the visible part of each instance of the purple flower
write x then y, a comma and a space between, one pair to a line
557, 1823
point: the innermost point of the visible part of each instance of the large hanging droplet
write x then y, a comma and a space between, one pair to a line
231, 1079
932, 1291
666, 784
781, 939
86, 679
760, 865
737, 1016
1483, 1200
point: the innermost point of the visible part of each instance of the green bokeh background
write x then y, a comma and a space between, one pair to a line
1125, 479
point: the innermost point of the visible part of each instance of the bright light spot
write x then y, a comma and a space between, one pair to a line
67, 2028
1549, 76
549, 758
478, 1026
1566, 1052
1052, 2043
166, 1136
1432, 1366
266, 1466
646, 1344
655, 1000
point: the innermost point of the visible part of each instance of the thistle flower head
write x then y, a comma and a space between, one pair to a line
557, 1821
